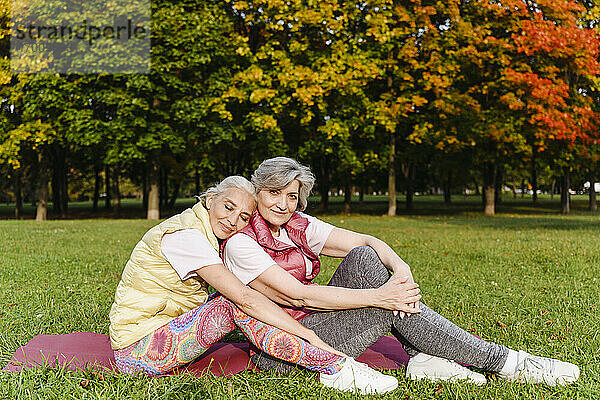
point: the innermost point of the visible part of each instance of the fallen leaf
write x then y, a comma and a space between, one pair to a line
544, 313
98, 375
501, 324
439, 391
85, 383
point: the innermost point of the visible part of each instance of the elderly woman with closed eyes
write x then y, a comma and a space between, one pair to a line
277, 254
162, 316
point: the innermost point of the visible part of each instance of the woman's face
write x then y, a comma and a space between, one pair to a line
277, 205
230, 211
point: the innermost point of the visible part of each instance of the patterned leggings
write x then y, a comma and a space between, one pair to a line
191, 334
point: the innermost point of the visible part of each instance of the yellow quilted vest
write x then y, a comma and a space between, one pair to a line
150, 293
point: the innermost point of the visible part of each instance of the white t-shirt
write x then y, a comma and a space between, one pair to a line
188, 250
247, 260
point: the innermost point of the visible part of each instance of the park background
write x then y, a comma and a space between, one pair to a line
420, 119
452, 97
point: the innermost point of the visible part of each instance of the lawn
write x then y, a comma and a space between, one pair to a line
527, 281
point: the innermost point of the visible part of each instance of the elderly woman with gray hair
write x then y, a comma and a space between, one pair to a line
277, 255
163, 317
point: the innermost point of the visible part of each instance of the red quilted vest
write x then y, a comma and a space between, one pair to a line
288, 257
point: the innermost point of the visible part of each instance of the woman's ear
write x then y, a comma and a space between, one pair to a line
209, 201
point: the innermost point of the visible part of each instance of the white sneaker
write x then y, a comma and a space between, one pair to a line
355, 376
535, 369
425, 366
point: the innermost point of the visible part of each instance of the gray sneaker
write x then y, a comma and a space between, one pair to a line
535, 369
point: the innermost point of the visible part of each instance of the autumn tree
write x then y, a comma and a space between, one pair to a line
302, 92
552, 88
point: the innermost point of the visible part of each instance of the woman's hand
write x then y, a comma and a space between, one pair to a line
399, 294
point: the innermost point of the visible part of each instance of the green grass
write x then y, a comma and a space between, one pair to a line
527, 281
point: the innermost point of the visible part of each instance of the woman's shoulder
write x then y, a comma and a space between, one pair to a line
240, 240
314, 221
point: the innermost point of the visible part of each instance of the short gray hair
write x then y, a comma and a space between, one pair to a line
234, 181
278, 172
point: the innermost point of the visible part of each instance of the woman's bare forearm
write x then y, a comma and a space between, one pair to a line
388, 256
281, 287
257, 305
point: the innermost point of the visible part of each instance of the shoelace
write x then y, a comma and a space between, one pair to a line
362, 369
454, 367
359, 364
539, 365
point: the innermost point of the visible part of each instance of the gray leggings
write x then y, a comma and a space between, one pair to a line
353, 331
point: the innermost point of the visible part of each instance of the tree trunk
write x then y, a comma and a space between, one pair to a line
145, 192
18, 194
42, 190
392, 176
161, 188
499, 182
175, 193
116, 193
348, 194
489, 188
164, 187
361, 194
196, 181
33, 194
407, 171
64, 181
97, 185
448, 190
477, 192
592, 197
513, 188
323, 182
552, 189
55, 190
490, 208
534, 185
565, 207
153, 200
60, 191
107, 186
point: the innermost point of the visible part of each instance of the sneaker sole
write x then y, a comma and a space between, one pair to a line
365, 391
381, 391
552, 383
418, 377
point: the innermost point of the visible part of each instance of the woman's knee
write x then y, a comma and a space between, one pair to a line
367, 261
362, 251
360, 268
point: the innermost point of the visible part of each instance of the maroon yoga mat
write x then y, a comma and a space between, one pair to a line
82, 350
